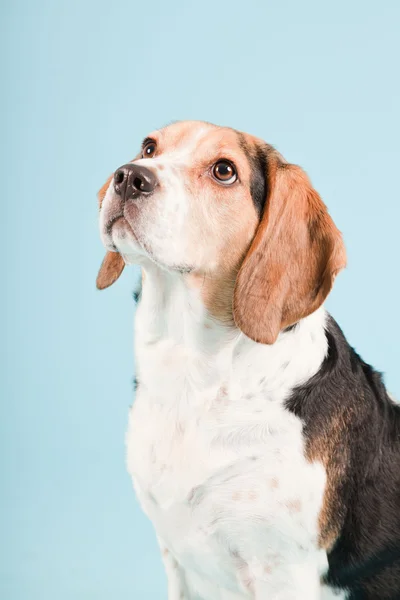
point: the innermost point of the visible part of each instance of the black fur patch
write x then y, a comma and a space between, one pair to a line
258, 185
257, 158
366, 556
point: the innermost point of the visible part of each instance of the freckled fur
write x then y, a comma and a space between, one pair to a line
218, 487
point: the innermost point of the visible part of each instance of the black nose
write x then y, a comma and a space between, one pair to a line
132, 180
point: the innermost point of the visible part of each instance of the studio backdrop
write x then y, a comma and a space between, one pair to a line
83, 82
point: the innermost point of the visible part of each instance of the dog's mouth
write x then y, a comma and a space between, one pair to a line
111, 222
108, 231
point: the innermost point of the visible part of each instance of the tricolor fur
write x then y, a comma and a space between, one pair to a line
260, 445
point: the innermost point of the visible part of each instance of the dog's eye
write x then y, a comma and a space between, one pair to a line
149, 150
224, 172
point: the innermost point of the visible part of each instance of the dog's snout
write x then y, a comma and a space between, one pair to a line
133, 180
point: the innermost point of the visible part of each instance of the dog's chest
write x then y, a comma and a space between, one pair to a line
220, 468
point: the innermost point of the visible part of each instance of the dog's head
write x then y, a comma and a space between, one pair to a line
211, 202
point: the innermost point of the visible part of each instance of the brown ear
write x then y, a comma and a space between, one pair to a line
111, 268
294, 257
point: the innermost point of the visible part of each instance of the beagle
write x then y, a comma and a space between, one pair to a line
261, 446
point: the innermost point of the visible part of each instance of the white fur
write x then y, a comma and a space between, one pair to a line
217, 461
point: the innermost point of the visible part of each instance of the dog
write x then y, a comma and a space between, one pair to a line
264, 450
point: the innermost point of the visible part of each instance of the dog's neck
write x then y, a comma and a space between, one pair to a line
176, 331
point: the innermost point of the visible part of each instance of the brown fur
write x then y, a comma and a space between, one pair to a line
330, 448
293, 260
111, 268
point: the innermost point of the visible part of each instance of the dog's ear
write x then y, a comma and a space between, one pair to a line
295, 255
113, 263
111, 268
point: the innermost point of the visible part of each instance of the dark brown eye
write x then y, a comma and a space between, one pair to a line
149, 150
224, 172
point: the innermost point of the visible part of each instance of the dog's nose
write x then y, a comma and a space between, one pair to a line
134, 180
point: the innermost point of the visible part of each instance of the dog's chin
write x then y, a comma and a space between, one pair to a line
120, 237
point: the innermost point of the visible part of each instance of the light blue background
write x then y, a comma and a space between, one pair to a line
85, 81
